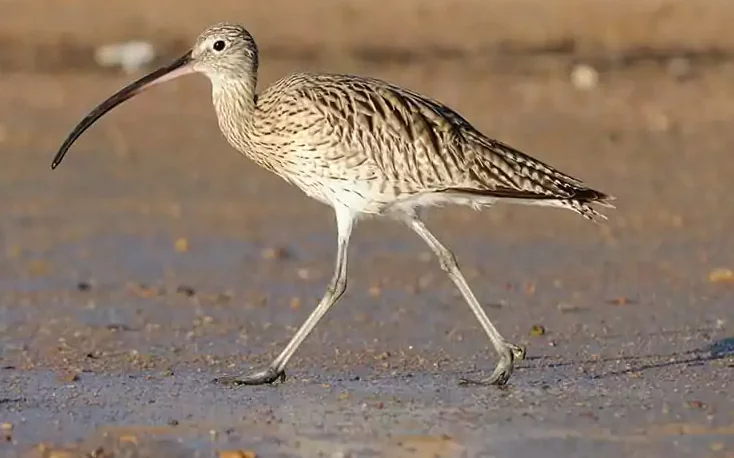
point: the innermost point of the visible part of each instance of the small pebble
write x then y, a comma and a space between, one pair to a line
237, 454
182, 245
128, 438
721, 275
537, 330
143, 290
61, 454
68, 376
696, 405
584, 77
275, 253
83, 286
621, 300
186, 290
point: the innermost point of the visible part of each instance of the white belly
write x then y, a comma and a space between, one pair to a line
360, 197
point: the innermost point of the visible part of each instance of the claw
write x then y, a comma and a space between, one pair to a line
267, 376
504, 369
518, 352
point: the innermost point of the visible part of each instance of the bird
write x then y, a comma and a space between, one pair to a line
366, 148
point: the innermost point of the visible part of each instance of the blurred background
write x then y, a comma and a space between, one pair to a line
155, 249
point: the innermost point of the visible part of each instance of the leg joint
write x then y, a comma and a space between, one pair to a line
447, 260
337, 287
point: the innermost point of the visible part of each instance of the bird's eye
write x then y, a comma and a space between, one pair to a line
219, 45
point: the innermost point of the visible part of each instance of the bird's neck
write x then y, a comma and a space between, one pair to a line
234, 102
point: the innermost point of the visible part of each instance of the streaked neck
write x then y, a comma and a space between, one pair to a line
234, 102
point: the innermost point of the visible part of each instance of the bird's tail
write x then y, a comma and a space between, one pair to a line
583, 200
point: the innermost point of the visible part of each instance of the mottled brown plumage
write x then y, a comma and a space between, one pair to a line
312, 127
364, 147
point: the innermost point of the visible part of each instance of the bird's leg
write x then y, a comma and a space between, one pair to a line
508, 352
336, 288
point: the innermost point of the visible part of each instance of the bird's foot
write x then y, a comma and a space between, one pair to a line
267, 376
517, 351
504, 368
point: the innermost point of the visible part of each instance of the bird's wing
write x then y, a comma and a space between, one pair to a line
422, 145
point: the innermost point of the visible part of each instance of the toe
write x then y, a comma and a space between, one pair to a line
518, 352
266, 376
499, 377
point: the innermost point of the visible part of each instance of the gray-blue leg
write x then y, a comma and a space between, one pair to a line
336, 288
507, 352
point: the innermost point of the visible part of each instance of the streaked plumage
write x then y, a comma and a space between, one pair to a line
364, 147
345, 128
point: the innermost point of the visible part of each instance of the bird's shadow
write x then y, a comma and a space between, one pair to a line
716, 350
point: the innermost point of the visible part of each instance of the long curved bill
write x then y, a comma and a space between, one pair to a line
180, 67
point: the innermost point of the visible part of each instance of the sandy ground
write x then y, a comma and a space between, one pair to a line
155, 258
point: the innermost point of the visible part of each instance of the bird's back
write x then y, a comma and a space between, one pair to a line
361, 129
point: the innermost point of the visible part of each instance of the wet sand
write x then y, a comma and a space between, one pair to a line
155, 259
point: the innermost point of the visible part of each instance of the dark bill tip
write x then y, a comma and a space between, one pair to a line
178, 68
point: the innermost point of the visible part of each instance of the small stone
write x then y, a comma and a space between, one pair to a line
375, 291
621, 300
295, 303
129, 439
537, 330
237, 454
68, 376
61, 454
696, 405
182, 245
186, 290
275, 253
721, 275
143, 290
584, 77
83, 286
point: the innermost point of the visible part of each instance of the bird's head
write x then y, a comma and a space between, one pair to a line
223, 51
